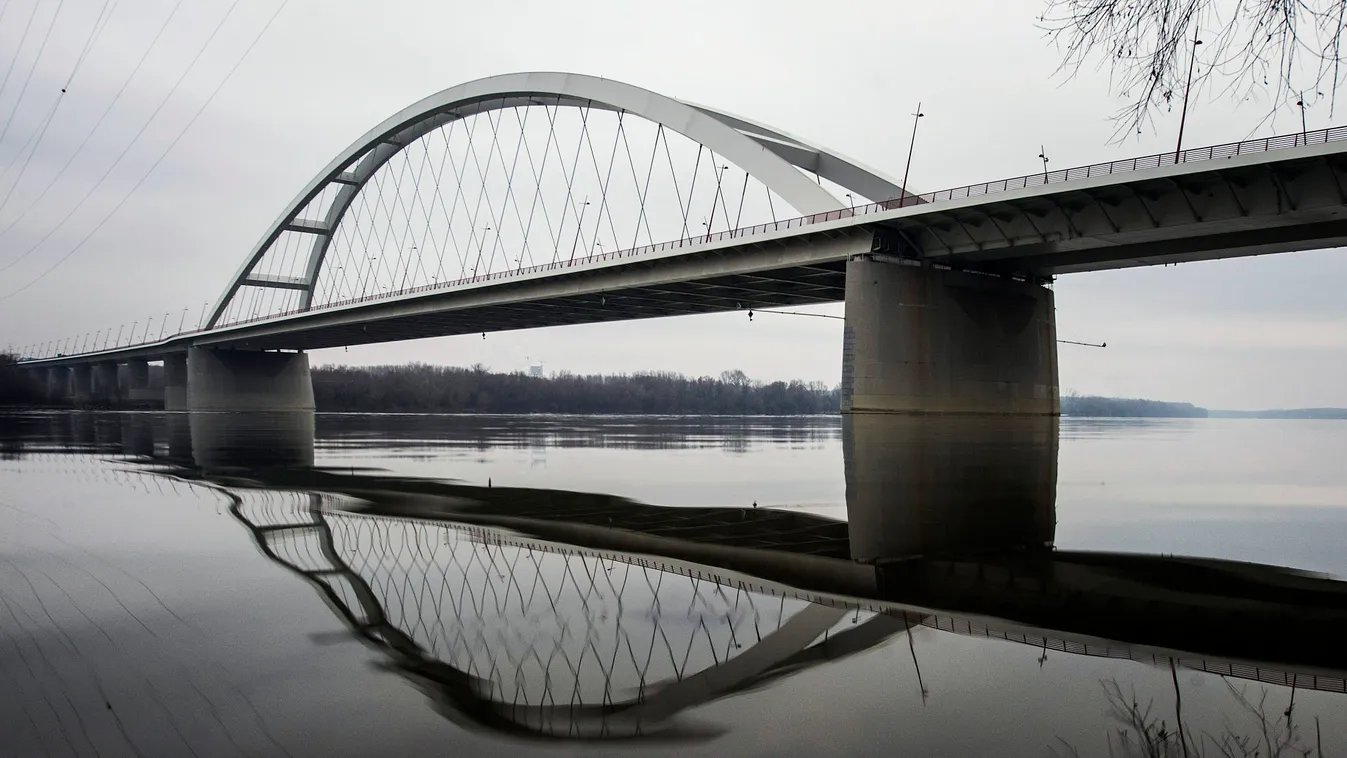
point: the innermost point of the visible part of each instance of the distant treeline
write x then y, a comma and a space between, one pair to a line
422, 388
1092, 405
17, 387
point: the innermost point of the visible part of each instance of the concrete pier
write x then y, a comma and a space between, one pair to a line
242, 380
926, 340
175, 382
81, 383
135, 385
57, 383
104, 378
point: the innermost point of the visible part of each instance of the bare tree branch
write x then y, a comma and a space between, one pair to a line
1287, 51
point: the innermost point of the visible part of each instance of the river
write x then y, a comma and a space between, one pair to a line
526, 585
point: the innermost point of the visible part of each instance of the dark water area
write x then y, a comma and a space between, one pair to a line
334, 585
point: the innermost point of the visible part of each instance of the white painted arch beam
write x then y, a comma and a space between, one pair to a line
767, 155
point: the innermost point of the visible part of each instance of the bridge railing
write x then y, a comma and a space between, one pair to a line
1108, 168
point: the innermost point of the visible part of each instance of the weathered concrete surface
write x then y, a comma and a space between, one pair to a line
105, 381
925, 340
925, 486
81, 383
243, 380
175, 382
57, 383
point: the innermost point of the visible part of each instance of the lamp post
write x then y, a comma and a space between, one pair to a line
1043, 156
1183, 116
1304, 130
916, 119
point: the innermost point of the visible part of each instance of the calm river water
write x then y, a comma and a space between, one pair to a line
354, 585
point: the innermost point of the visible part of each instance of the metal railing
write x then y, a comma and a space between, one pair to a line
1096, 170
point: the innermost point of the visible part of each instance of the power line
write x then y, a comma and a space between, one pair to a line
36, 61
18, 49
127, 149
51, 115
99, 122
162, 155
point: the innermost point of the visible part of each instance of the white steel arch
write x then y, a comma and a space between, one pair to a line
770, 156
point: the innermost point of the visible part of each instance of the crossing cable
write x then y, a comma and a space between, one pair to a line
570, 179
399, 204
449, 212
498, 221
512, 201
418, 200
538, 174
382, 262
363, 254
603, 190
209, 99
359, 256
673, 174
692, 188
417, 247
476, 212
636, 180
407, 209
36, 138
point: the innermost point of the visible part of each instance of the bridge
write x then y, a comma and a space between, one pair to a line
546, 199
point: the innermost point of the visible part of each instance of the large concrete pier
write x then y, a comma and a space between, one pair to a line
920, 339
243, 380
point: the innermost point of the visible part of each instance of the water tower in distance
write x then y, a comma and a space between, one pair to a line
535, 369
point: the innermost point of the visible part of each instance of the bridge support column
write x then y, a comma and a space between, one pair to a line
175, 382
135, 386
81, 383
242, 380
104, 376
925, 340
57, 384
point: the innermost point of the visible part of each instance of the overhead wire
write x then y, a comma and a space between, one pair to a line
56, 106
97, 123
18, 51
162, 155
37, 61
132, 143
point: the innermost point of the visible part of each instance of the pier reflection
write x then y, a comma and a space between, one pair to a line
553, 614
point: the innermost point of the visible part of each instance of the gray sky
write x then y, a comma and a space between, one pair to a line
1261, 332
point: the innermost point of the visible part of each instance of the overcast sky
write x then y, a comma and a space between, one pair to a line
1250, 333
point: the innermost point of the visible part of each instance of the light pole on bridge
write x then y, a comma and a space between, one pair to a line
1183, 115
146, 336
1043, 156
118, 342
916, 119
164, 324
202, 320
182, 320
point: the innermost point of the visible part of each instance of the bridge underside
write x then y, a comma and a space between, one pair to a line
806, 284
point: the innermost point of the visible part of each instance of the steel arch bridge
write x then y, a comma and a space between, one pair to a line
505, 171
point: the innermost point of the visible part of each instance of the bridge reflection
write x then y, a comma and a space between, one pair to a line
558, 614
